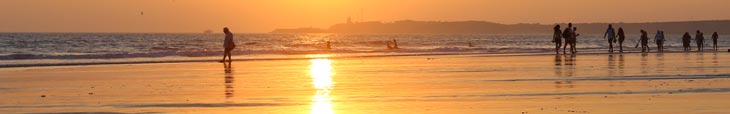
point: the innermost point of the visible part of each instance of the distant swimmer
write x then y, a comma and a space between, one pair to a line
228, 44
686, 39
328, 45
395, 44
611, 36
621, 38
557, 38
714, 41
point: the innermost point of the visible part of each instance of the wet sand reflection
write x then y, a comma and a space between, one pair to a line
564, 68
229, 79
321, 74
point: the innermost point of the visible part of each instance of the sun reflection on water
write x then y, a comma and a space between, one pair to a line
321, 73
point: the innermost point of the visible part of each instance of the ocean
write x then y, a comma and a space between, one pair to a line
50, 49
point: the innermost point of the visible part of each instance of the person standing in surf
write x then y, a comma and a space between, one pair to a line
714, 40
644, 41
557, 38
699, 39
621, 38
686, 39
611, 36
659, 40
228, 44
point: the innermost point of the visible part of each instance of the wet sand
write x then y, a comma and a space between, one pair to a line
681, 83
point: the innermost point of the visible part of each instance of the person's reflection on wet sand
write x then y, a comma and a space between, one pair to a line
701, 60
714, 62
570, 60
611, 68
558, 61
621, 64
568, 65
611, 65
660, 62
644, 62
229, 79
558, 65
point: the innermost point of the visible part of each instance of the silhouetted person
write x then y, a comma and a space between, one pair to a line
699, 39
621, 38
557, 35
567, 35
714, 40
395, 44
328, 45
644, 41
659, 40
686, 39
228, 44
611, 36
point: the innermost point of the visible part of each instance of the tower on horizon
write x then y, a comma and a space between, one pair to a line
349, 19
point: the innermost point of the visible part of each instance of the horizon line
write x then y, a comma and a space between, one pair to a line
202, 32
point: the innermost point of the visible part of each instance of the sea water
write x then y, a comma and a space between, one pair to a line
43, 49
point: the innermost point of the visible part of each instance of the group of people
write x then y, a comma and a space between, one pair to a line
699, 39
686, 41
570, 35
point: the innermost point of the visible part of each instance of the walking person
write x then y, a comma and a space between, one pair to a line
621, 38
714, 40
567, 36
659, 40
644, 41
228, 45
557, 35
686, 39
699, 39
611, 36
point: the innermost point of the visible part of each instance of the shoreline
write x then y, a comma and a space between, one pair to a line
304, 57
333, 56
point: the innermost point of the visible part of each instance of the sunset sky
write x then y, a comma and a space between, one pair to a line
252, 16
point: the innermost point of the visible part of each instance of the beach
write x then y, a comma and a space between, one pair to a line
630, 83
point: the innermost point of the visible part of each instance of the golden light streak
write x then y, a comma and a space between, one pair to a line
321, 73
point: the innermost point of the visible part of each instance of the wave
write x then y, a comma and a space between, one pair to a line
170, 51
30, 60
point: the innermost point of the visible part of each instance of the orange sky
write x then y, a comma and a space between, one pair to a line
266, 15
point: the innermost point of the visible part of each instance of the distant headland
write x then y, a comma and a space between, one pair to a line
484, 27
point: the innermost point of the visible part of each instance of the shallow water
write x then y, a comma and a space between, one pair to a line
44, 49
686, 83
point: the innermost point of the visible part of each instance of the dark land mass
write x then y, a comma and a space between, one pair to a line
483, 27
